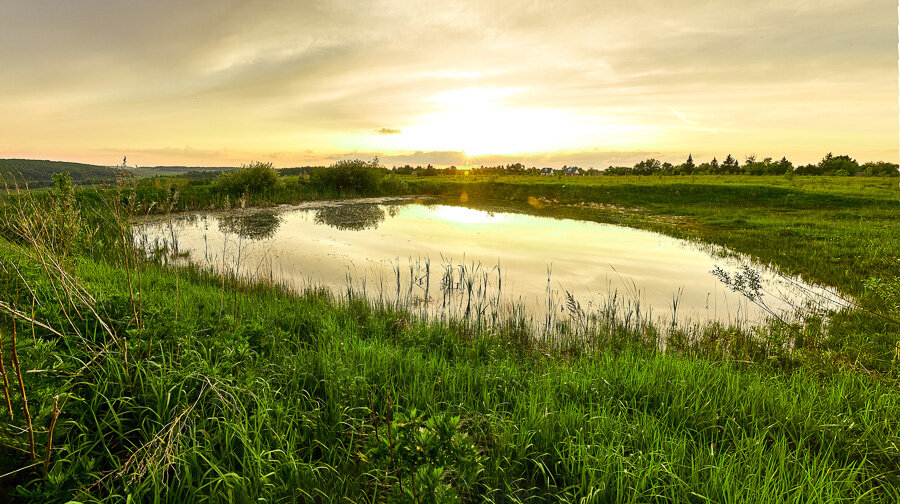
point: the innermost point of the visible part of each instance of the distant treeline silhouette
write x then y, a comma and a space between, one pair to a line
39, 173
829, 165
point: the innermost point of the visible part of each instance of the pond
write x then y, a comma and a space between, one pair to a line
456, 261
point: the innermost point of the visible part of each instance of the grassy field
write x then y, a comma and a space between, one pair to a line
157, 384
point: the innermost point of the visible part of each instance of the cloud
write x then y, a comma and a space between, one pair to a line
255, 77
681, 116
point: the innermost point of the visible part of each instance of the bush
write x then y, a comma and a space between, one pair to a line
253, 180
350, 175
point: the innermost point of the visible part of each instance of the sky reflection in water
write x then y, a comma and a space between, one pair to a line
372, 242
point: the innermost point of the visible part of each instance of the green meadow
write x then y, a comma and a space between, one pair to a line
129, 379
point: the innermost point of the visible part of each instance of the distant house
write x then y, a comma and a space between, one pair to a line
546, 171
572, 170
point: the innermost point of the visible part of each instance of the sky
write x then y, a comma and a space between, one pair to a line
585, 82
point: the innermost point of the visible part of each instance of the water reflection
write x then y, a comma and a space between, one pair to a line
353, 217
466, 262
253, 225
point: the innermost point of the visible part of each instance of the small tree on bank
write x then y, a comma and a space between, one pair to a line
253, 180
354, 175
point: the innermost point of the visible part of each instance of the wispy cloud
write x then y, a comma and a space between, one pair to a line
683, 117
796, 78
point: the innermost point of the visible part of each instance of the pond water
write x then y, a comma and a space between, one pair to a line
458, 261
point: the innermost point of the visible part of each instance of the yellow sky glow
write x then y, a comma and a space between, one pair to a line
463, 82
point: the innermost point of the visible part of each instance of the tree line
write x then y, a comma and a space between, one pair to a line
831, 165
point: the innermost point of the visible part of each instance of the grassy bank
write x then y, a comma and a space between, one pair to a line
831, 230
242, 393
837, 231
177, 385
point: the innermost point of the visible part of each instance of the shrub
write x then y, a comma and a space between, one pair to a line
253, 179
350, 175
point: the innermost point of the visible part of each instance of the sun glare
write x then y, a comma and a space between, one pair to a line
482, 121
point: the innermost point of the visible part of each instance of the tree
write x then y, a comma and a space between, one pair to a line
354, 175
880, 168
687, 167
253, 179
785, 166
838, 165
730, 165
647, 167
766, 166
809, 169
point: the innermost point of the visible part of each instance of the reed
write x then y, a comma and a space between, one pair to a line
5, 380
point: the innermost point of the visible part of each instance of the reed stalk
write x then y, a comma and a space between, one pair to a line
18, 369
5, 380
54, 416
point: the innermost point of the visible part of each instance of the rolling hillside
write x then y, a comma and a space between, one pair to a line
39, 173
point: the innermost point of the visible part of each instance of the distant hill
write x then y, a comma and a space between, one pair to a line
175, 171
39, 173
299, 170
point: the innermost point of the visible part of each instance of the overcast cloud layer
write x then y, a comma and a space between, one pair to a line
453, 82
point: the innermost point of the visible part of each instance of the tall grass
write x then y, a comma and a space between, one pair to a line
256, 393
285, 394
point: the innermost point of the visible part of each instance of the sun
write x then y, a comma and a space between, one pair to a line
482, 121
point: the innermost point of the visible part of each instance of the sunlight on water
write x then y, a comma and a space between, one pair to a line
438, 255
465, 215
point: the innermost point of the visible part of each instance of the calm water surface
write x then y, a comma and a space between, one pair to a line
449, 254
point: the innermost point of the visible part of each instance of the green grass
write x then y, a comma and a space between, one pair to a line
179, 385
274, 395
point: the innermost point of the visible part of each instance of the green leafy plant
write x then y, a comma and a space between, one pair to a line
425, 459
